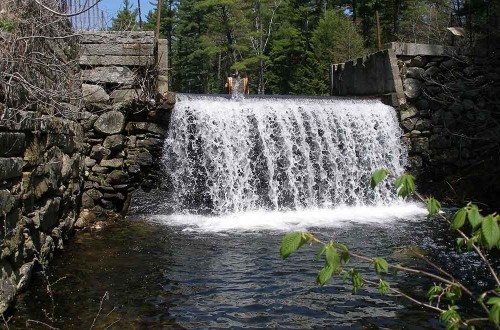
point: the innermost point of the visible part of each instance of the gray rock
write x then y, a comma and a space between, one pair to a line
415, 162
142, 158
110, 123
431, 72
87, 201
114, 142
471, 94
7, 201
109, 75
94, 194
151, 143
447, 156
433, 90
144, 127
449, 64
125, 95
468, 104
94, 94
414, 72
89, 162
456, 108
89, 123
420, 144
107, 204
99, 152
112, 163
133, 168
492, 76
423, 125
24, 276
412, 87
10, 168
117, 177
97, 169
422, 104
117, 196
11, 144
48, 215
418, 61
439, 142
471, 71
407, 113
409, 124
7, 294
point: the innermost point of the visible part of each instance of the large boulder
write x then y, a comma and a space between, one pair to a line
110, 123
413, 88
94, 94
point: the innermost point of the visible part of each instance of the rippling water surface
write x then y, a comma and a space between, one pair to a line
178, 271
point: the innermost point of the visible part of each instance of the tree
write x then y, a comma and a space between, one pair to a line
168, 21
335, 40
126, 18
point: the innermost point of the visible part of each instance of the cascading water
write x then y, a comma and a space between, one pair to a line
231, 155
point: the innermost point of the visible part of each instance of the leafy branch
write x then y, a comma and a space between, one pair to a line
447, 289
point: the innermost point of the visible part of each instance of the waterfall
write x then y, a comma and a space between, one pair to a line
232, 155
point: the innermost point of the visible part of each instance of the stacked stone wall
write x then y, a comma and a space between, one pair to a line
64, 166
126, 120
40, 180
450, 120
449, 107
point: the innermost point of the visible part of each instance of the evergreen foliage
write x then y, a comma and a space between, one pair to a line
286, 46
126, 18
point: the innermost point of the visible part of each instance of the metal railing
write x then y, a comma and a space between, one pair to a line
92, 19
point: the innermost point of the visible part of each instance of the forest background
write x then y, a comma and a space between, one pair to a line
286, 46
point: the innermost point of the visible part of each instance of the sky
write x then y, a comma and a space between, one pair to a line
110, 7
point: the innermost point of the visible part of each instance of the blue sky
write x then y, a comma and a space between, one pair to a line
112, 6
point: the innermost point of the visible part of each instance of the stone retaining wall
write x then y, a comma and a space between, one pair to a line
448, 111
68, 168
40, 176
126, 119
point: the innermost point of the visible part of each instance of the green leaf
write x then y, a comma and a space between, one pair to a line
325, 274
434, 292
380, 265
474, 217
494, 315
493, 301
378, 176
332, 258
292, 242
472, 241
405, 185
490, 232
356, 280
383, 287
459, 218
451, 318
433, 206
460, 243
320, 253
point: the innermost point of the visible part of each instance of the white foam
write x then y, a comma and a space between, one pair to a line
277, 153
301, 220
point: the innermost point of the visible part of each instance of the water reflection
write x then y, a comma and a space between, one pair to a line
160, 276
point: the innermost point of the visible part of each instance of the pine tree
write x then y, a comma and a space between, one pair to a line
126, 18
335, 40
